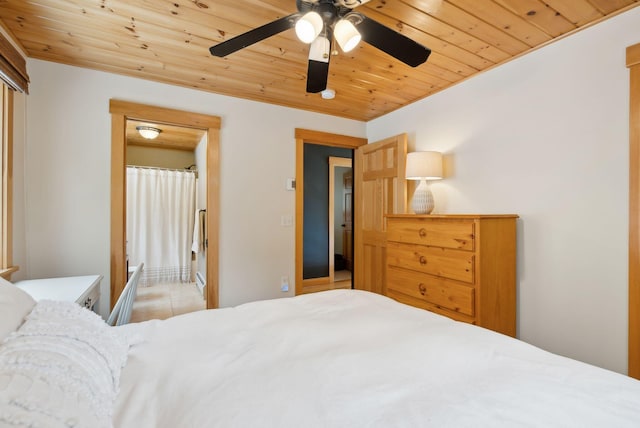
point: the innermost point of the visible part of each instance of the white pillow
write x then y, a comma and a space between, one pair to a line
61, 368
15, 304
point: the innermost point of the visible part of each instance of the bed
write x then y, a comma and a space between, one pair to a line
341, 358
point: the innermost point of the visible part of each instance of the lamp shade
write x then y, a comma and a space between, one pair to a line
309, 26
424, 166
346, 35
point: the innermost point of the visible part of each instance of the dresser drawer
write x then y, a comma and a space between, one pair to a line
455, 234
440, 292
423, 304
453, 264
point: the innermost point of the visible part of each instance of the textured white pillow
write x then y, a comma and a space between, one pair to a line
61, 368
15, 304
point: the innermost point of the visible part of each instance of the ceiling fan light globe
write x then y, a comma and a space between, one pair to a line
308, 27
346, 35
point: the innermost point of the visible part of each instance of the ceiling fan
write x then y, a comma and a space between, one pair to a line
317, 23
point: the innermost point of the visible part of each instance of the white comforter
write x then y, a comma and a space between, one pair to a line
355, 359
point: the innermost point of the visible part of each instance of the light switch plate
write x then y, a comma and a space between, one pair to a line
286, 220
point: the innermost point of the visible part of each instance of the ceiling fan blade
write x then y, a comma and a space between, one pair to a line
389, 41
317, 74
257, 34
318, 69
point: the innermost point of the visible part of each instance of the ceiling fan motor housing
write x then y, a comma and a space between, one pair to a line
329, 10
351, 3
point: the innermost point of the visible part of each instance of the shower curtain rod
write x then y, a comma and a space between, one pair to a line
163, 169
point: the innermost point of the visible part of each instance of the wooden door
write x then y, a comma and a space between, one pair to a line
380, 189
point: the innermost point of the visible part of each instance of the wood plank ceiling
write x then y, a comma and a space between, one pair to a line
168, 41
174, 137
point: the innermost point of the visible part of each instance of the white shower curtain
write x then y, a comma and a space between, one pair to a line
160, 213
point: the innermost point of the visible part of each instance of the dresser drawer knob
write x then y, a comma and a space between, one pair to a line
423, 260
422, 232
422, 288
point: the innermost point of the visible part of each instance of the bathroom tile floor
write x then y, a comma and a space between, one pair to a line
162, 301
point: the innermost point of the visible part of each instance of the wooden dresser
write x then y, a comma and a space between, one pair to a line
461, 266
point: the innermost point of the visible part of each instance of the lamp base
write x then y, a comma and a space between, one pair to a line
422, 202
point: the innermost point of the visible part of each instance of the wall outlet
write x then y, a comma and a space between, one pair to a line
284, 284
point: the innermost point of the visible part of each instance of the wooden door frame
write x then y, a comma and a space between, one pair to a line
633, 63
121, 111
303, 136
334, 161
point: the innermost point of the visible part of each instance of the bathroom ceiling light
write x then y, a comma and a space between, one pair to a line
148, 132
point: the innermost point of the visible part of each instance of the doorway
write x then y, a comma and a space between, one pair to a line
340, 229
320, 280
121, 112
165, 203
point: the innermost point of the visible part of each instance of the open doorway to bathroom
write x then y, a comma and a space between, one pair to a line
166, 211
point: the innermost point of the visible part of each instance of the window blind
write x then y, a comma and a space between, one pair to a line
13, 67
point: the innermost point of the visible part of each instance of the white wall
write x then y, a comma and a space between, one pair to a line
158, 157
67, 177
546, 137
